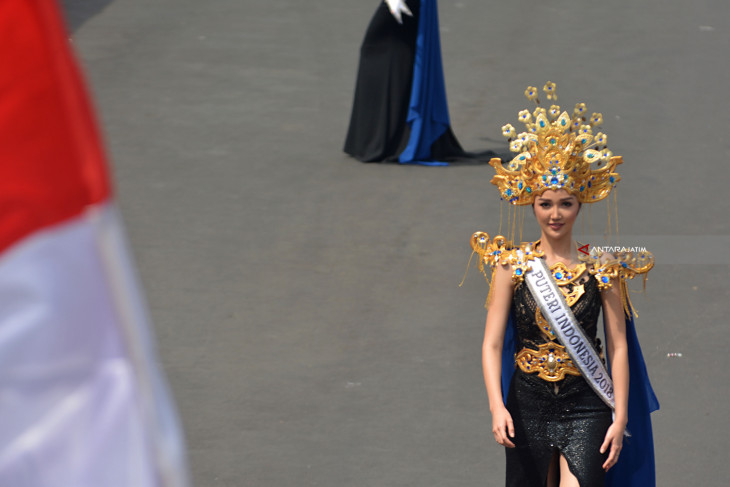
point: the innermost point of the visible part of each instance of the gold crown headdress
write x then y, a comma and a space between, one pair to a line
557, 151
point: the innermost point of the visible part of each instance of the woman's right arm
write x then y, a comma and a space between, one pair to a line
502, 289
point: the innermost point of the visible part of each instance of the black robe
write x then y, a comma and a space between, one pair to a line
378, 128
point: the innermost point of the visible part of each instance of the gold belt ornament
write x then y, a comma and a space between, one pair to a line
551, 362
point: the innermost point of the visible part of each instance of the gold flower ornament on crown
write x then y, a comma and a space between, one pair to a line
556, 151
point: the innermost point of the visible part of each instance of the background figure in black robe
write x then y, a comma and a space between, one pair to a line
378, 126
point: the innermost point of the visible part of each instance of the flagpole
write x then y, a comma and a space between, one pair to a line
135, 326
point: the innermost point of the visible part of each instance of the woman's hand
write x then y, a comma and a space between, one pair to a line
618, 357
615, 441
503, 427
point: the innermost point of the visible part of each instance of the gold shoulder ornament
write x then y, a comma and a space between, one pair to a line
619, 266
492, 253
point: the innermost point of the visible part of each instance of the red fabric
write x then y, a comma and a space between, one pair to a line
52, 164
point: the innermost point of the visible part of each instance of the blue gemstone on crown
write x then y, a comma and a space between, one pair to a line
518, 272
605, 279
558, 275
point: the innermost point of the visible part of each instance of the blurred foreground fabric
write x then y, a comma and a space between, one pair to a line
82, 397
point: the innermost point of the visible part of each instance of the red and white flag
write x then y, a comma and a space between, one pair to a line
83, 402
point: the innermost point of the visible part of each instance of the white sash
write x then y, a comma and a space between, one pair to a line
562, 320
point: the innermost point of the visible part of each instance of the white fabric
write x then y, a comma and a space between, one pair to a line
82, 399
398, 8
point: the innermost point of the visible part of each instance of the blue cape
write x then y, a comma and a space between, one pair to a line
635, 467
428, 112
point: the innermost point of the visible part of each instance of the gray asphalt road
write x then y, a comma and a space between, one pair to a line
307, 306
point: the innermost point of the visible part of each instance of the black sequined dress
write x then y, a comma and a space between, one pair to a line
564, 416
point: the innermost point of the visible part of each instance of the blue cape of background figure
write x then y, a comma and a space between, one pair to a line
428, 111
635, 467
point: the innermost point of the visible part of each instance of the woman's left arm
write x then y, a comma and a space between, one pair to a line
619, 359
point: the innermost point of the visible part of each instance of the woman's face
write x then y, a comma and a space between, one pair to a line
556, 212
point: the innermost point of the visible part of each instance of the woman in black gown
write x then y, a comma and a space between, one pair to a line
556, 429
378, 129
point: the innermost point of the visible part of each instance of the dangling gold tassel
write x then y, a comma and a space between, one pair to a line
514, 224
524, 211
509, 218
501, 210
522, 222
615, 207
489, 278
491, 289
590, 219
607, 232
468, 265
626, 301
